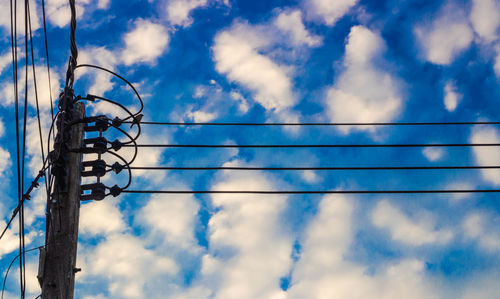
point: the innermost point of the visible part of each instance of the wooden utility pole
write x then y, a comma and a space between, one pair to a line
58, 258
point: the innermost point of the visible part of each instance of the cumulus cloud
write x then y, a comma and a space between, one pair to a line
362, 93
496, 67
433, 154
451, 96
5, 60
102, 217
5, 16
485, 18
178, 11
447, 36
323, 270
487, 155
328, 11
171, 220
120, 258
4, 161
415, 232
59, 13
291, 23
145, 43
236, 55
477, 228
249, 249
102, 57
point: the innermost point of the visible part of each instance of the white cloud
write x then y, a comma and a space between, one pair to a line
103, 4
4, 161
98, 56
236, 54
145, 43
171, 220
242, 102
201, 116
487, 155
362, 93
446, 37
485, 18
2, 128
451, 96
310, 176
101, 217
5, 60
329, 11
291, 23
496, 67
178, 11
249, 248
5, 16
476, 227
59, 13
120, 259
323, 270
433, 154
415, 232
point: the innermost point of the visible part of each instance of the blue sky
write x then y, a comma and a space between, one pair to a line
277, 61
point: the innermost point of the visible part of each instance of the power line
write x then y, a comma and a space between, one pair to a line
319, 124
315, 168
308, 192
47, 59
10, 266
314, 145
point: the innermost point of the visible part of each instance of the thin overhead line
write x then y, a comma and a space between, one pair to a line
314, 145
320, 124
308, 192
314, 168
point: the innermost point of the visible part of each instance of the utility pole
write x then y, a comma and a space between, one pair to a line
56, 273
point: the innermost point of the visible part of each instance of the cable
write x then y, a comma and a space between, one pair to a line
120, 77
25, 196
315, 145
314, 168
48, 60
10, 266
308, 192
320, 124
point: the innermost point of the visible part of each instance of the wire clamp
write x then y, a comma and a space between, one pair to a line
117, 167
115, 191
100, 124
116, 145
98, 168
97, 192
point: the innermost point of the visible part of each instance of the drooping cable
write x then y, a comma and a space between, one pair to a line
308, 192
316, 168
10, 266
320, 124
47, 60
316, 145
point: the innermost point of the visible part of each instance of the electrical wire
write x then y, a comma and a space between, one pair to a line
121, 78
47, 59
308, 192
10, 266
320, 124
315, 145
317, 168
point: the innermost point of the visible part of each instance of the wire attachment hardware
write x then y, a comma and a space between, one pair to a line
97, 192
100, 123
98, 168
98, 145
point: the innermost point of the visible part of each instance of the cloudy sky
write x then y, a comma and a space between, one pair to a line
276, 61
